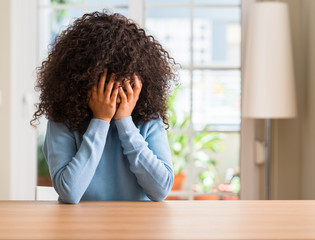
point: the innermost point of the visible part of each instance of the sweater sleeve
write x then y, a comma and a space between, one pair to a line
72, 170
149, 158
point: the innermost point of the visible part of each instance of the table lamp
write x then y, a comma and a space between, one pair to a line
268, 90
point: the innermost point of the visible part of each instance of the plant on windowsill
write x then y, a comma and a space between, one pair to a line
206, 184
178, 143
233, 185
204, 144
43, 176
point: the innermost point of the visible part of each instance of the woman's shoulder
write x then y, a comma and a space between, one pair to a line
55, 124
152, 125
56, 127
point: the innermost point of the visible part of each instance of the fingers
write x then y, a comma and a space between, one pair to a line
115, 93
137, 85
112, 90
122, 95
109, 86
101, 83
128, 88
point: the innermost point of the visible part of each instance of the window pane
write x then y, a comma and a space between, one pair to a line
52, 22
217, 37
216, 100
179, 103
216, 159
220, 2
171, 28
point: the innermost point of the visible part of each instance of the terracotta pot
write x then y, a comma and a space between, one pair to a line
207, 197
178, 181
177, 185
172, 198
43, 181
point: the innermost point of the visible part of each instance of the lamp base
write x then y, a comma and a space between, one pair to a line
268, 151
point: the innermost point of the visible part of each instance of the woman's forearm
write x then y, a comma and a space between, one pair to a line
72, 170
150, 158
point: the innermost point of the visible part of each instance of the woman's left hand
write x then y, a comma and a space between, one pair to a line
129, 101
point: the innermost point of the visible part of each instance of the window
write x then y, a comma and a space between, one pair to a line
204, 37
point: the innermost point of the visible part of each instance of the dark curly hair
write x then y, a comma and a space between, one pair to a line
78, 58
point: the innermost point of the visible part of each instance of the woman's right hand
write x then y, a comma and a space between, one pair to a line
103, 103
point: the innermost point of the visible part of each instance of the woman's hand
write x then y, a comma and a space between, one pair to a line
128, 102
103, 104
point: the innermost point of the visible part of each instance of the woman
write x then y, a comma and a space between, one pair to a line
104, 89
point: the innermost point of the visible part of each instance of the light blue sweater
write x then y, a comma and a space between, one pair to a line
116, 161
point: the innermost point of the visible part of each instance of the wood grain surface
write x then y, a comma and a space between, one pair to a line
158, 220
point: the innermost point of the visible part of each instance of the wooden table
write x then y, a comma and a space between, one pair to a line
158, 220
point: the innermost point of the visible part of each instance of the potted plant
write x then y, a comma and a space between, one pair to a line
43, 176
205, 143
178, 143
234, 185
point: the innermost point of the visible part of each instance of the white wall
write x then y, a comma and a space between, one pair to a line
5, 104
17, 65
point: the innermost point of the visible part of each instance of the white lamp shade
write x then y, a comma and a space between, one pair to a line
269, 90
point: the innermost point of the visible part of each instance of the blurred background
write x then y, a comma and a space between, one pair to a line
215, 151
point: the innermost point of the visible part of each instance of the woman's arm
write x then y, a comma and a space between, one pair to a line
72, 169
149, 158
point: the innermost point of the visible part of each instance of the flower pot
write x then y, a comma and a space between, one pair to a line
43, 181
172, 198
177, 185
178, 181
207, 197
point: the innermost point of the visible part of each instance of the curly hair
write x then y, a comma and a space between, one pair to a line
81, 53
